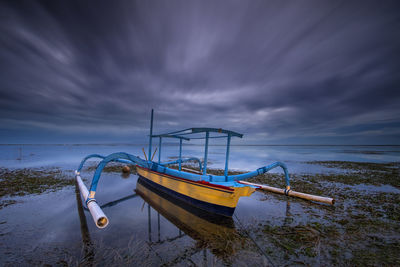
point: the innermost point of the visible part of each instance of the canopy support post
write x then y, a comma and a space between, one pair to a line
180, 154
151, 133
227, 157
205, 154
159, 150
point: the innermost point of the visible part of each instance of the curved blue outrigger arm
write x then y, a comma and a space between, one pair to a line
263, 170
101, 157
221, 178
114, 157
131, 159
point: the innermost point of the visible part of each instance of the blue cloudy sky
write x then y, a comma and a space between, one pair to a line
281, 72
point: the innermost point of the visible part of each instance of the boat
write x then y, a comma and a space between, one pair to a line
217, 194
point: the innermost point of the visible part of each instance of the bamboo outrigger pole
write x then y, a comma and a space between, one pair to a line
289, 192
99, 218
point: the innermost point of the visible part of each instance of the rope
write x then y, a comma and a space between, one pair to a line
287, 191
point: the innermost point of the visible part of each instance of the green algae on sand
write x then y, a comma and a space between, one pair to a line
21, 182
362, 229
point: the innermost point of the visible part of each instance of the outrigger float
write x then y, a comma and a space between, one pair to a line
217, 194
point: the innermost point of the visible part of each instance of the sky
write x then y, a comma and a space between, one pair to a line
280, 72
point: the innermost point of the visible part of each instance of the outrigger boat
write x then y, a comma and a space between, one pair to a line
214, 193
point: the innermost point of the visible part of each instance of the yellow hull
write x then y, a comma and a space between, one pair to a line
200, 193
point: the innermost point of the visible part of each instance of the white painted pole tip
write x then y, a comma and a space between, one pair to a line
99, 218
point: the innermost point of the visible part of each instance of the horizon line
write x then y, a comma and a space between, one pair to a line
140, 144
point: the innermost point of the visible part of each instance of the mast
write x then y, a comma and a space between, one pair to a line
151, 133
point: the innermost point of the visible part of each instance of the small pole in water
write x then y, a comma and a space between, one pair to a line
20, 154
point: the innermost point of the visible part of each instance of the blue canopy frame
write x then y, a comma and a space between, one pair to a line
192, 131
160, 136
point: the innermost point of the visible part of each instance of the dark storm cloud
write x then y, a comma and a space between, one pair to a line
275, 70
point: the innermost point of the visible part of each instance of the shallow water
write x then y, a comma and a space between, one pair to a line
146, 228
241, 157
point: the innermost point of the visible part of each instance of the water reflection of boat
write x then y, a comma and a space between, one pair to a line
214, 232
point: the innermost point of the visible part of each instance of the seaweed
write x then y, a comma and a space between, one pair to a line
362, 172
362, 229
361, 166
21, 182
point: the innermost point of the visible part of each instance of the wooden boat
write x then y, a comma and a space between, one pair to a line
217, 198
215, 193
